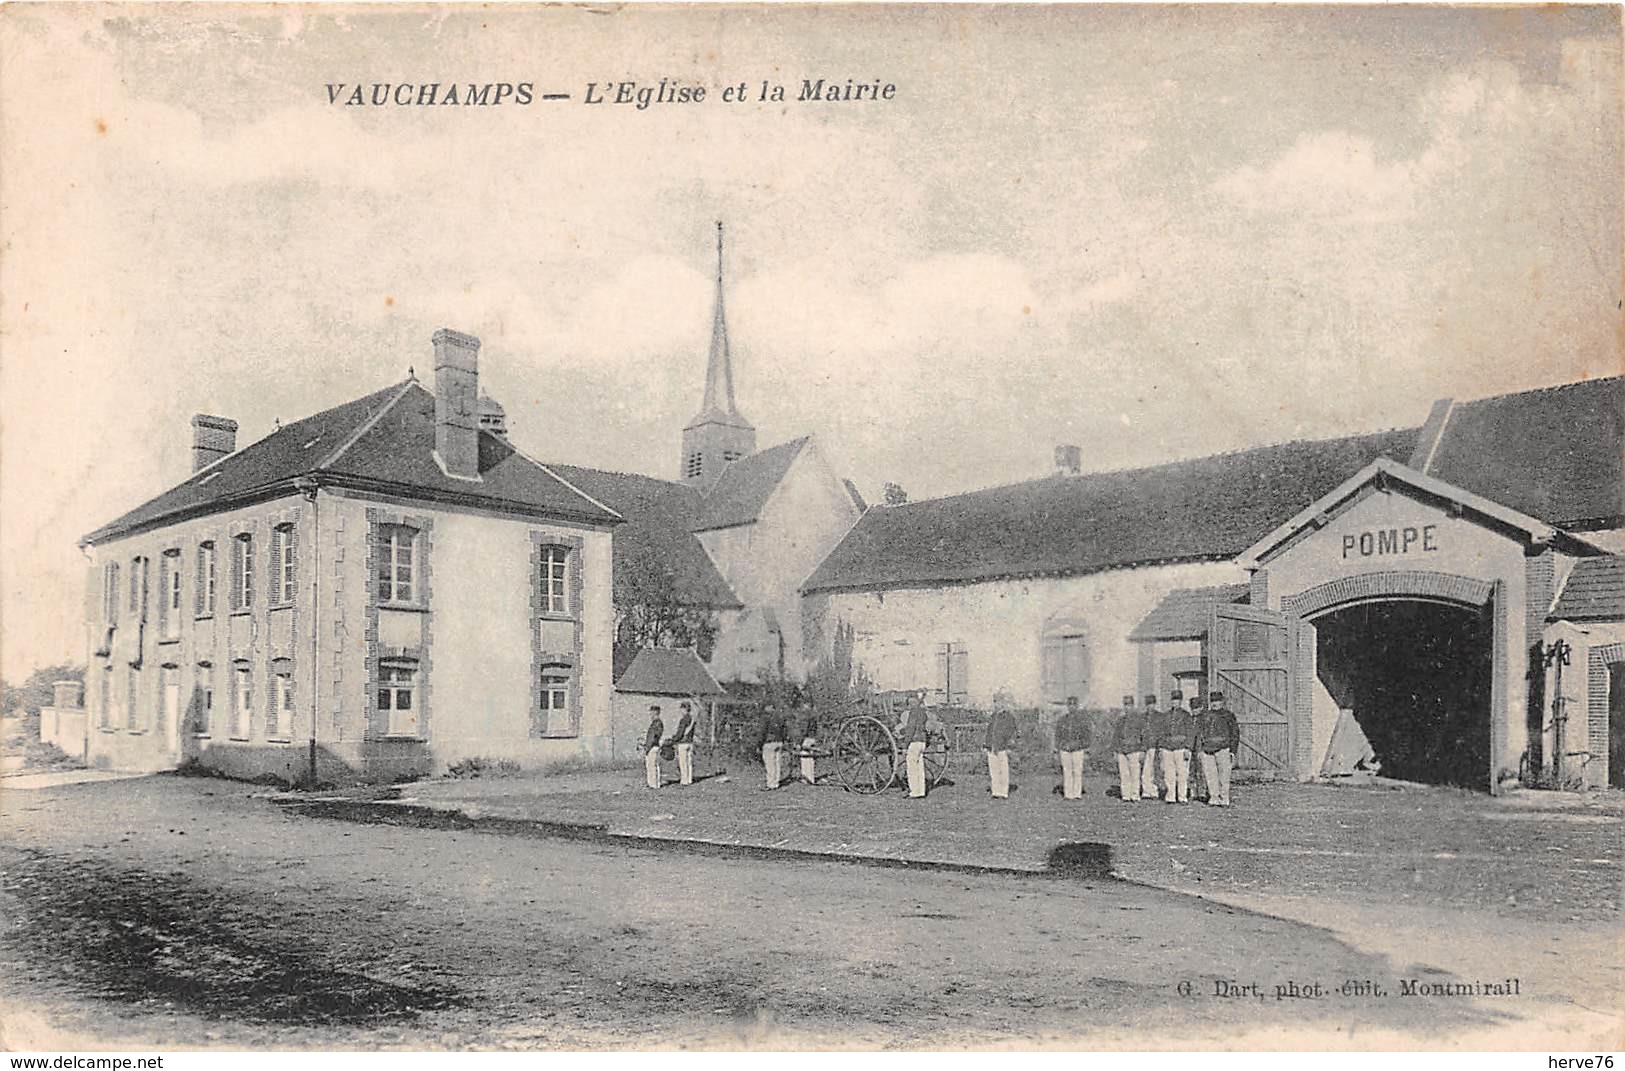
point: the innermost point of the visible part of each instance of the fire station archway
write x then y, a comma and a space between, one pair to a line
1413, 656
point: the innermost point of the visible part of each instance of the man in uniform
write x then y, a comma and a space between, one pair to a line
808, 728
682, 741
651, 747
774, 734
1001, 731
1072, 741
1219, 736
1199, 789
1156, 726
914, 734
1130, 745
1175, 745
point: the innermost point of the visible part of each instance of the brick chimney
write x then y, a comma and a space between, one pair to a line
213, 437
1068, 460
456, 402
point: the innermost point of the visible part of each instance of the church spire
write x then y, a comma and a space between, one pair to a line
718, 406
719, 434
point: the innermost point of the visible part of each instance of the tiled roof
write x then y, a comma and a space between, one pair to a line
1202, 509
1184, 612
383, 441
657, 671
657, 533
745, 486
1557, 454
1595, 591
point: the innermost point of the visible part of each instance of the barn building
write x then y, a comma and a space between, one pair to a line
1416, 579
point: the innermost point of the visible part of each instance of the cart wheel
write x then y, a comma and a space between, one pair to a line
937, 755
865, 755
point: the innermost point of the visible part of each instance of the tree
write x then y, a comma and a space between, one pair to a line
895, 495
650, 611
36, 691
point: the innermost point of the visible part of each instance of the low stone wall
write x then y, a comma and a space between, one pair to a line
65, 728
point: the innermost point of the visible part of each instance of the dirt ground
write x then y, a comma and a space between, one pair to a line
173, 912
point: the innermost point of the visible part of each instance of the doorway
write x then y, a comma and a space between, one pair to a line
1616, 724
1417, 675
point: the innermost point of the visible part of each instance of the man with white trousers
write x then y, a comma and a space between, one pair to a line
1072, 743
651, 747
683, 741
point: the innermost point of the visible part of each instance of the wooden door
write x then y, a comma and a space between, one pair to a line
1250, 660
172, 714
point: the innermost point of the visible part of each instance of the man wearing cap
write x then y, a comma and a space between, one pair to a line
808, 728
1219, 735
914, 735
1156, 724
1177, 736
1130, 745
651, 747
1072, 742
682, 741
1001, 730
774, 734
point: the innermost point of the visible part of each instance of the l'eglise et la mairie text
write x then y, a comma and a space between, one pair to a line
427, 94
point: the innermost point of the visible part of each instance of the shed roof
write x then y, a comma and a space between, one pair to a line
659, 671
1595, 591
381, 441
1183, 613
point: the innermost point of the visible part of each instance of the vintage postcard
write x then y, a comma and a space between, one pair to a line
811, 527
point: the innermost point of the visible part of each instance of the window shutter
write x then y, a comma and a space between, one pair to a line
1054, 673
274, 589
939, 687
959, 680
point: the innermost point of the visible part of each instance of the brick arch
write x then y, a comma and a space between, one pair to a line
1392, 584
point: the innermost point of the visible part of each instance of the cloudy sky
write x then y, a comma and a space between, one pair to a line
1151, 231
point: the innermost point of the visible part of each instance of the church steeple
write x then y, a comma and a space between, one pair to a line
719, 434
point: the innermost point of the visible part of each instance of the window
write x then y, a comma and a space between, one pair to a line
108, 699
169, 594
554, 568
110, 593
397, 697
397, 562
138, 588
553, 716
1065, 667
282, 548
203, 702
730, 456
693, 465
132, 699
242, 572
205, 579
282, 704
242, 709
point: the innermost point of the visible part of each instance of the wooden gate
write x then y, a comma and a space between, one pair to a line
1249, 660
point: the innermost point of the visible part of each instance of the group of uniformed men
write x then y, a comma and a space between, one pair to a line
1144, 737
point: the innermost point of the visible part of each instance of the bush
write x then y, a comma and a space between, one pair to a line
479, 766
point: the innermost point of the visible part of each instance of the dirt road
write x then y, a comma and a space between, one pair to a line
167, 912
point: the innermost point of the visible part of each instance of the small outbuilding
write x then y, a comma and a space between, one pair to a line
663, 677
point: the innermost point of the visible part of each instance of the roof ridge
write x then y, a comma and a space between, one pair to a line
614, 472
1129, 470
1551, 388
366, 425
566, 483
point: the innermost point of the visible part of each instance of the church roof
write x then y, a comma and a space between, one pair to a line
383, 441
658, 533
1595, 591
745, 486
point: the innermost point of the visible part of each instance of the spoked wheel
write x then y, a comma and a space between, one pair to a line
936, 757
866, 758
